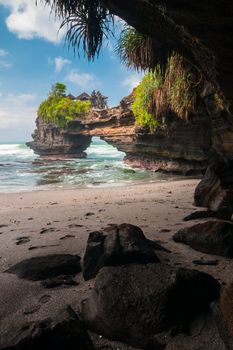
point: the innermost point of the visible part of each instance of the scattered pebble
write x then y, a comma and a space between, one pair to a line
89, 214
67, 236
22, 240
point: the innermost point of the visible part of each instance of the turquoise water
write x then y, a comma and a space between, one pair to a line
19, 170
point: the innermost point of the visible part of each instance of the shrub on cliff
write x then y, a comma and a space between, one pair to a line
144, 98
137, 51
162, 94
59, 110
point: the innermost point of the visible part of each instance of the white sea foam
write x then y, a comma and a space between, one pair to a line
103, 167
15, 149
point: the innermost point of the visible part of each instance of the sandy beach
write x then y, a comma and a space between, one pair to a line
55, 221
49, 222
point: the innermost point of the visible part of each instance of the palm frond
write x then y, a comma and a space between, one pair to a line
63, 8
88, 22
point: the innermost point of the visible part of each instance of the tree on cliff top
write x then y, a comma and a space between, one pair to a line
58, 89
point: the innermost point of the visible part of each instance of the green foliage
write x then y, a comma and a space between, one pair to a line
183, 87
173, 92
130, 40
59, 110
144, 99
58, 89
139, 51
87, 22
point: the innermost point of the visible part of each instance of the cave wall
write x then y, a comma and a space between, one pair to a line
201, 31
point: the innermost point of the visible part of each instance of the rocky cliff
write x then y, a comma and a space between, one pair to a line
53, 142
184, 148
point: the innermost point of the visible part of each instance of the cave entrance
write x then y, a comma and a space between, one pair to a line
100, 150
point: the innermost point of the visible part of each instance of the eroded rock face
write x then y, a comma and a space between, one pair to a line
211, 237
52, 142
216, 188
135, 303
183, 148
116, 245
63, 331
49, 266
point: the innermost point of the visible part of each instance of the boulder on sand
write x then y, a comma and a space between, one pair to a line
63, 331
216, 187
133, 303
117, 245
210, 237
43, 267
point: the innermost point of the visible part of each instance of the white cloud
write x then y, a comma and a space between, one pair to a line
60, 63
132, 81
4, 64
18, 111
29, 21
21, 97
3, 53
82, 80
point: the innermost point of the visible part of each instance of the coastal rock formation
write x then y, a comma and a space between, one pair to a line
116, 245
63, 331
137, 303
184, 148
211, 237
43, 267
50, 141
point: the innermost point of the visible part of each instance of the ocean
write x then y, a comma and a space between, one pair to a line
104, 166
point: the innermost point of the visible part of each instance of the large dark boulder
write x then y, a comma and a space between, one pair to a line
216, 188
43, 267
64, 331
134, 303
211, 237
116, 245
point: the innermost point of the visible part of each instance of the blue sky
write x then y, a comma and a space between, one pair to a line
33, 56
